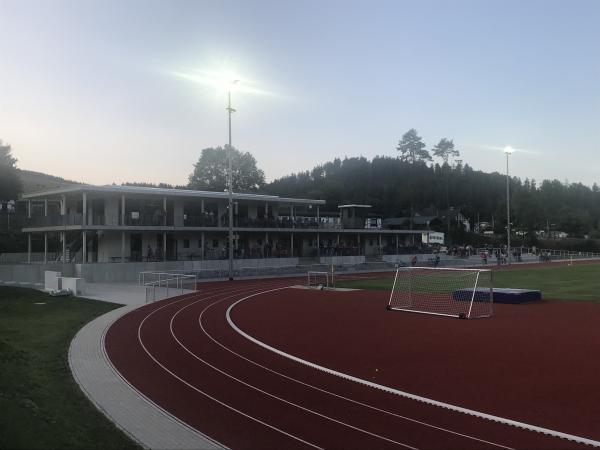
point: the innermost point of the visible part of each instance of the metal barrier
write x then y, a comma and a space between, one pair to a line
165, 287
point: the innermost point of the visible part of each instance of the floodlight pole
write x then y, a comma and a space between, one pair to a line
507, 208
230, 111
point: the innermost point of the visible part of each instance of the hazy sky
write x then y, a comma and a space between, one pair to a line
88, 91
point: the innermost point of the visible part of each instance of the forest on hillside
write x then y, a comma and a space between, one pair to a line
395, 187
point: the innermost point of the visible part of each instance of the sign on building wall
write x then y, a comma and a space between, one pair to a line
432, 238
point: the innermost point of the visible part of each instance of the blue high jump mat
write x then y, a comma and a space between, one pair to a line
501, 295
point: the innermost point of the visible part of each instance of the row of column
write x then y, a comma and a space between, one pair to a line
164, 252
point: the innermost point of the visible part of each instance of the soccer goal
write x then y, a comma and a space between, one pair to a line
462, 293
320, 280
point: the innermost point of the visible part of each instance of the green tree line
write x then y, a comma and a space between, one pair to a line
394, 185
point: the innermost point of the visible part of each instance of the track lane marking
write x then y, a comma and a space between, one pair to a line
181, 380
460, 409
399, 416
323, 416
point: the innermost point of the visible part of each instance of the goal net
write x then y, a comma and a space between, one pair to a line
319, 280
462, 293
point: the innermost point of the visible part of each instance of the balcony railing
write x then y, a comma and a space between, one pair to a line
149, 220
53, 221
287, 222
160, 220
203, 220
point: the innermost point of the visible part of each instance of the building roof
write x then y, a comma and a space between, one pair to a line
354, 206
164, 192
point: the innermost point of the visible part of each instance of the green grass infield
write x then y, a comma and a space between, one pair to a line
41, 405
561, 282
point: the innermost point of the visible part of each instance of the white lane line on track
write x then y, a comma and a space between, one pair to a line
460, 409
356, 402
323, 416
118, 374
181, 380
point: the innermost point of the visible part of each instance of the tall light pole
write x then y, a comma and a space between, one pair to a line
230, 111
508, 151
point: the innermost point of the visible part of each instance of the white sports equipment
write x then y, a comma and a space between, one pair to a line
462, 293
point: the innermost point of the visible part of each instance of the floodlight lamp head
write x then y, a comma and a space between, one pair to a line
508, 150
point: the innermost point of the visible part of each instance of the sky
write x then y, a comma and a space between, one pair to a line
101, 92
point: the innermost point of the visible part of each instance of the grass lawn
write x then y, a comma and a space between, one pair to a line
41, 405
576, 282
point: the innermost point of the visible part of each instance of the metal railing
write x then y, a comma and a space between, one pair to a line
536, 253
171, 285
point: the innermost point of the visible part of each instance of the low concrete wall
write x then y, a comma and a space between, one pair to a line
426, 259
129, 272
223, 264
22, 258
31, 273
342, 260
120, 272
397, 259
449, 261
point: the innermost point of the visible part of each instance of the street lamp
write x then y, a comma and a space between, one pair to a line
224, 81
230, 111
508, 150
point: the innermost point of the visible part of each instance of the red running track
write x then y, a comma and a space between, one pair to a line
532, 363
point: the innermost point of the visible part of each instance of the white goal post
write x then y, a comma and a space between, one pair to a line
322, 280
462, 293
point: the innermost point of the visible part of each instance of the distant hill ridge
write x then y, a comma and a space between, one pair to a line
38, 181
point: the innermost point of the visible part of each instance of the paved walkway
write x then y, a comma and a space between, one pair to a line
124, 293
144, 421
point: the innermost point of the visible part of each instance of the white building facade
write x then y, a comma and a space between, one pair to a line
102, 224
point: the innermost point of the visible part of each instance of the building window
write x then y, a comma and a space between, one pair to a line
370, 242
186, 243
215, 243
135, 215
199, 243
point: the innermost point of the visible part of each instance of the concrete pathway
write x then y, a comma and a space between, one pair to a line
140, 418
124, 293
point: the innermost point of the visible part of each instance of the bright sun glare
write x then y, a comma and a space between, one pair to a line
221, 81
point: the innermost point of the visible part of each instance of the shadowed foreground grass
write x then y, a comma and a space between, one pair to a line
41, 405
562, 282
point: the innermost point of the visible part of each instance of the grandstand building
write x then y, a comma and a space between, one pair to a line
103, 224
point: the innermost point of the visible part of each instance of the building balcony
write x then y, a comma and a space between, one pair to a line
203, 220
185, 220
53, 221
148, 220
306, 223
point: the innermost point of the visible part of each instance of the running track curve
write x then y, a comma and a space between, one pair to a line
184, 355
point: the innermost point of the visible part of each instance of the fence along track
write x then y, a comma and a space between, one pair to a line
170, 286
